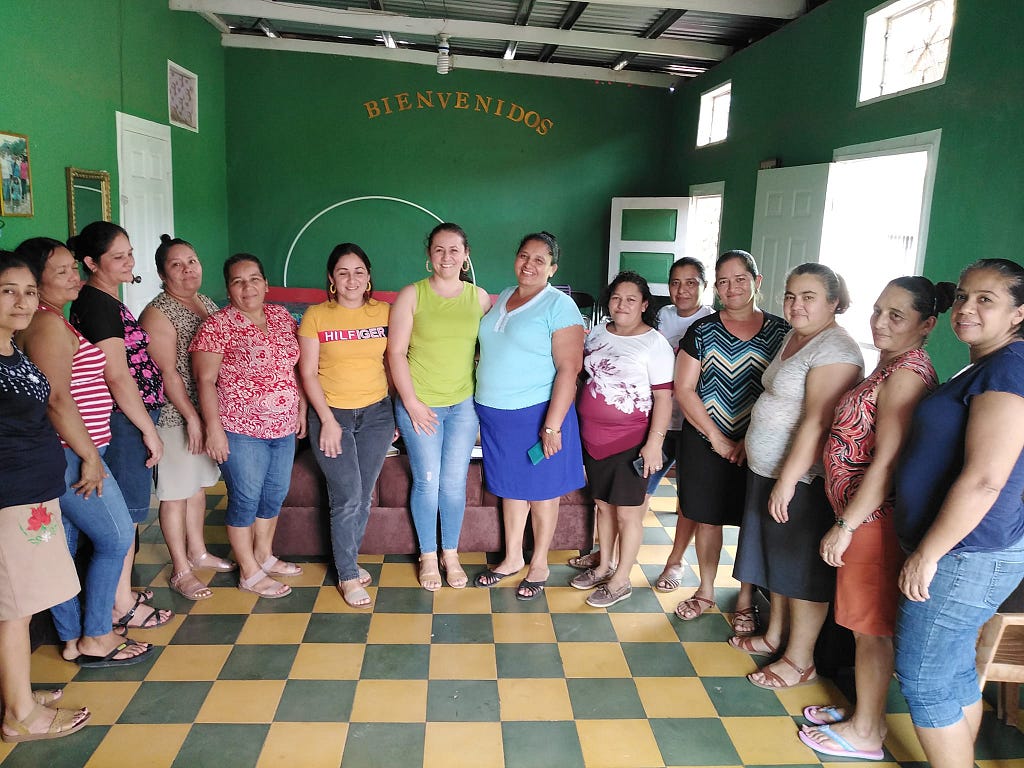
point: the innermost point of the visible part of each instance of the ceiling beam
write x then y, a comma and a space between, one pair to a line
569, 18
769, 9
453, 28
655, 30
428, 58
522, 17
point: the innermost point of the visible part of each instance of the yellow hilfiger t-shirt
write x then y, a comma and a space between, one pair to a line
443, 344
352, 345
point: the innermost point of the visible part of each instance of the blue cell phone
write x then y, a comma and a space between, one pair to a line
536, 453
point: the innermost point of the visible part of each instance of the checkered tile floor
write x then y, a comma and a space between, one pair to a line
467, 677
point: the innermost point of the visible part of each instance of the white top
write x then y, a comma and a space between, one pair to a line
673, 327
780, 408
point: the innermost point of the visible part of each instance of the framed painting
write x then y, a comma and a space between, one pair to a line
182, 97
16, 171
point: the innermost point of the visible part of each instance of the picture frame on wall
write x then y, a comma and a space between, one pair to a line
16, 173
182, 97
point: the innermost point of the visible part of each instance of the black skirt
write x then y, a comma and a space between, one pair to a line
711, 489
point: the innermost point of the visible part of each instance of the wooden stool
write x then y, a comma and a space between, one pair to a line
1001, 659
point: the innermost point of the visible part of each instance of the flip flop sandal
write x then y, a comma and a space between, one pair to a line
188, 586
274, 567
533, 589
488, 578
667, 583
814, 714
695, 605
249, 585
211, 561
746, 621
86, 661
64, 723
154, 620
774, 682
746, 644
846, 749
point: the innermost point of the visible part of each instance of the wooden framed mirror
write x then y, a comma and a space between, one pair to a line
88, 197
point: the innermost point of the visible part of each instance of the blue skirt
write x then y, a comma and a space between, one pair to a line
507, 435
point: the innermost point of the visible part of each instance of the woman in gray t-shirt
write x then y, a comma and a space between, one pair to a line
786, 511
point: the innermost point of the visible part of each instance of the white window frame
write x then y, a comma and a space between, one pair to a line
705, 123
872, 51
710, 189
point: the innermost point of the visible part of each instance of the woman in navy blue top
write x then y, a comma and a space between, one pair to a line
959, 512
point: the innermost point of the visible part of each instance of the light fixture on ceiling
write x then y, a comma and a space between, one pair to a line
389, 41
444, 55
510, 51
265, 28
620, 65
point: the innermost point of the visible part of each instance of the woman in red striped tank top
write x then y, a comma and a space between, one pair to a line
79, 407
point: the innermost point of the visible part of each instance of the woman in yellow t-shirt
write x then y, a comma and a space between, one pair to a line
351, 421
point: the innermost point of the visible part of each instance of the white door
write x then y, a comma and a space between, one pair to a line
647, 235
147, 202
788, 214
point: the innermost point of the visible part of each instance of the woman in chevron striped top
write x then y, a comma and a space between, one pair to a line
717, 380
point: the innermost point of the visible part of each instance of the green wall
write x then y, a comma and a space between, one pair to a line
300, 138
794, 96
79, 63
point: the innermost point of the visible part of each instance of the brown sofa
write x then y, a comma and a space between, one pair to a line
302, 528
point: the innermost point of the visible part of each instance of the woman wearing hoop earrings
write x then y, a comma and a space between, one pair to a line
351, 421
431, 346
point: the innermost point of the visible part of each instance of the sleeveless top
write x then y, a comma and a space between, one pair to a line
88, 387
443, 343
186, 323
850, 447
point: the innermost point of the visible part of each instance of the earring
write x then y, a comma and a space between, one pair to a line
465, 266
333, 290
369, 290
430, 269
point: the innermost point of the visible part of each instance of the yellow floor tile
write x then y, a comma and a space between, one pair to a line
47, 665
568, 600
901, 740
399, 575
321, 745
468, 600
618, 743
653, 554
724, 577
5, 750
593, 660
662, 504
225, 600
766, 740
674, 697
216, 534
524, 627
149, 745
1009, 762
400, 628
241, 701
152, 554
312, 575
328, 661
390, 701
329, 600
468, 661
274, 629
190, 662
106, 701
719, 660
534, 699
463, 745
643, 628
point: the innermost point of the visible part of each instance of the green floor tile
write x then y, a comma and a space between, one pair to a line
657, 660
730, 535
404, 600
654, 535
209, 629
337, 628
694, 741
541, 745
664, 491
641, 601
463, 701
224, 579
504, 600
583, 627
316, 701
605, 698
259, 662
894, 701
667, 519
376, 745
462, 628
528, 660
160, 702
300, 600
396, 662
152, 535
215, 517
71, 751
708, 628
736, 697
997, 741
222, 745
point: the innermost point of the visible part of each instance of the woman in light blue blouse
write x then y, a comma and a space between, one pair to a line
531, 351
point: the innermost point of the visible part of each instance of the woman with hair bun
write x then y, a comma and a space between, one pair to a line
172, 319
786, 511
959, 513
867, 435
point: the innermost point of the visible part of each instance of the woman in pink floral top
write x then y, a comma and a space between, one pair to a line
244, 359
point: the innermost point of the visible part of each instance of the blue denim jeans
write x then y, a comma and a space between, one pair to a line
106, 522
126, 456
440, 463
257, 474
366, 434
936, 639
